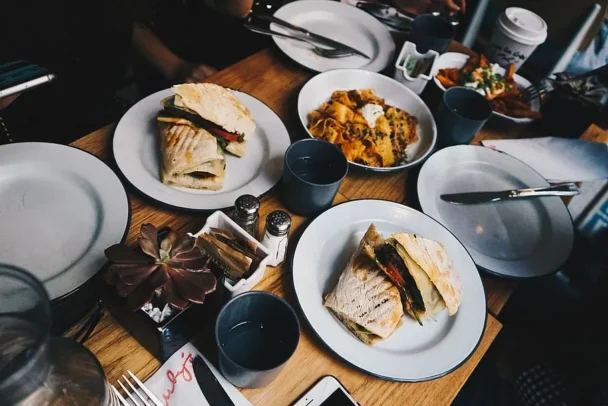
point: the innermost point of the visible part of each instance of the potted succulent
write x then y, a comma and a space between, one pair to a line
160, 288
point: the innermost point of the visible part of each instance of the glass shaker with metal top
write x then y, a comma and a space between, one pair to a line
275, 237
246, 213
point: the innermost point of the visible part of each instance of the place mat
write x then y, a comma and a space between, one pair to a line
558, 159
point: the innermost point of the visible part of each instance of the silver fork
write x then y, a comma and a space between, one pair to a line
144, 399
547, 85
324, 52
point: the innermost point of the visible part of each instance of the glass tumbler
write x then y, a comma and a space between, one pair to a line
35, 368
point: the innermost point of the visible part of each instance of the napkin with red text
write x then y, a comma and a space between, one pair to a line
175, 384
558, 159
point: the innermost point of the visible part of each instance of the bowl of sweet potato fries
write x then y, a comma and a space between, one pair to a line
500, 86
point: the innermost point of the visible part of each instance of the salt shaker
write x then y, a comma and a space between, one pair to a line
275, 236
246, 213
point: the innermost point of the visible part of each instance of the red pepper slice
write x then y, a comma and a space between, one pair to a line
394, 274
224, 134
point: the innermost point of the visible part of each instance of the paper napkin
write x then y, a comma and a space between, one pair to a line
175, 384
558, 159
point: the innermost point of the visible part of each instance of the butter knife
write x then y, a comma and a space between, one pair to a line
311, 35
565, 189
210, 386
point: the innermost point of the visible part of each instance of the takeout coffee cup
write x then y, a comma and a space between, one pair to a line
431, 32
256, 333
312, 174
516, 35
460, 115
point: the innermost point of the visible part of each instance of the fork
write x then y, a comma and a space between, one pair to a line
147, 392
547, 85
324, 52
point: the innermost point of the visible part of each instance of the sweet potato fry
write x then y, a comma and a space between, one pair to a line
524, 113
483, 61
510, 72
445, 81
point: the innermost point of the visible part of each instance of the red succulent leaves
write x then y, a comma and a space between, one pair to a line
175, 268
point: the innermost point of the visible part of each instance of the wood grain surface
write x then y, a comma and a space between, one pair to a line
276, 81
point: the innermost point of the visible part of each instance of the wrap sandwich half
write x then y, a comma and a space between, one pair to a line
214, 108
190, 157
421, 270
364, 300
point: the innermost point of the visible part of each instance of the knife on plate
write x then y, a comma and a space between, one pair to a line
311, 35
565, 189
210, 386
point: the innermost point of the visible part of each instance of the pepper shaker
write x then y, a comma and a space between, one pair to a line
275, 237
246, 213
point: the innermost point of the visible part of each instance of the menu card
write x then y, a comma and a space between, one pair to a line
174, 384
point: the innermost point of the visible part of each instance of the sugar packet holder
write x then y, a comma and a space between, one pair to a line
220, 220
406, 63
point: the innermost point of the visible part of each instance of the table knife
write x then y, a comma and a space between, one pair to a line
311, 35
566, 189
210, 386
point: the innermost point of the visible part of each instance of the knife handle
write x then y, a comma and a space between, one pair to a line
278, 21
564, 189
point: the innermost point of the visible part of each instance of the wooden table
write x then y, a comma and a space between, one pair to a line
276, 81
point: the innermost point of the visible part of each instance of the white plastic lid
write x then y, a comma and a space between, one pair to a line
524, 25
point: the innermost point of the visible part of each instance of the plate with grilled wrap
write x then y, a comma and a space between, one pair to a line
200, 146
389, 290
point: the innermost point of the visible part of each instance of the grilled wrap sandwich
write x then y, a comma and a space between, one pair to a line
214, 108
421, 271
190, 157
364, 300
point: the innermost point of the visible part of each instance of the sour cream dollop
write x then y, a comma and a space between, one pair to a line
371, 112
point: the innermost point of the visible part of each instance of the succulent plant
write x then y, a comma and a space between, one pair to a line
175, 268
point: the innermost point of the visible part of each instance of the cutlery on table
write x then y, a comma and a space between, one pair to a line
210, 386
566, 189
547, 85
148, 395
319, 39
324, 52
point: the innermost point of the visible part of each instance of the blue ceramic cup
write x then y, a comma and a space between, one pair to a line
461, 114
313, 172
256, 333
431, 32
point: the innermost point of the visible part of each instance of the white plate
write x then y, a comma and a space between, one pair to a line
413, 353
318, 90
136, 151
519, 238
60, 208
342, 23
457, 60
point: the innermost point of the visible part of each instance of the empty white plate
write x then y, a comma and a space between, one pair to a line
340, 22
136, 151
60, 208
413, 353
518, 238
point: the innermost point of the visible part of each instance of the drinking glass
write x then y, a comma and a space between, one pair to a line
35, 368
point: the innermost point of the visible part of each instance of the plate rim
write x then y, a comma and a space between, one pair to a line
392, 169
520, 120
357, 367
391, 54
127, 225
181, 208
496, 273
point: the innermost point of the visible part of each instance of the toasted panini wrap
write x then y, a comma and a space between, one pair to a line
190, 157
416, 274
364, 300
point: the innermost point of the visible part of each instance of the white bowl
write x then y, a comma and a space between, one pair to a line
318, 90
220, 220
457, 60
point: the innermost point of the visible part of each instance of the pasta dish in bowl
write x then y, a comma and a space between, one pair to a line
379, 124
